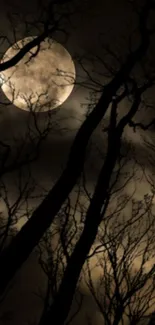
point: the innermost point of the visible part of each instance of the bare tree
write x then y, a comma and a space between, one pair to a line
17, 155
125, 291
24, 242
55, 249
98, 204
122, 85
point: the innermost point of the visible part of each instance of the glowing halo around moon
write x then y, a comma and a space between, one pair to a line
39, 83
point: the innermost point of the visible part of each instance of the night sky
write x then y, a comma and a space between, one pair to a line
97, 22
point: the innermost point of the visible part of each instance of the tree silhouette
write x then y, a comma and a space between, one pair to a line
123, 84
125, 290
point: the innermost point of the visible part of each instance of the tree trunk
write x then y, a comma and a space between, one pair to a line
28, 237
94, 216
61, 306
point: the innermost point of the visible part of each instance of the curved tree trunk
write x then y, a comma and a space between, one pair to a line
66, 291
28, 237
94, 217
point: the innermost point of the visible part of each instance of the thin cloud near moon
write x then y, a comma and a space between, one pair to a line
42, 82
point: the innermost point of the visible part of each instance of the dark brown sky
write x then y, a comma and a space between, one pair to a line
109, 21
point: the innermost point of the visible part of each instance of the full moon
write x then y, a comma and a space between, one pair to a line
42, 82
